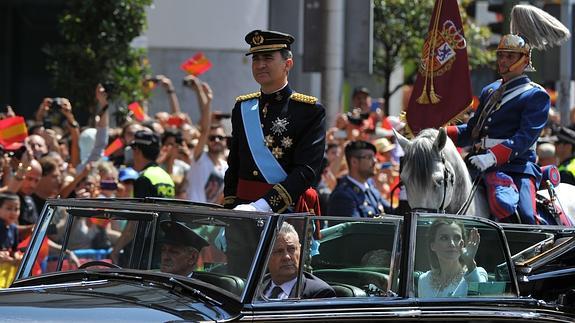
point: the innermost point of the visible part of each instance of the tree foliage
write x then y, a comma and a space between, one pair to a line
400, 28
96, 49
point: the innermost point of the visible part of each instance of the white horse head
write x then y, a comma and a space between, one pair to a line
434, 174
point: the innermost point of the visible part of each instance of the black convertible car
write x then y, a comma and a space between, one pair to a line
103, 260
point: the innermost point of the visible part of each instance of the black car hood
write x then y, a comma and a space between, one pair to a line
103, 300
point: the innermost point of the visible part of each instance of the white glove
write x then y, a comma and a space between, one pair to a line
246, 207
260, 205
483, 161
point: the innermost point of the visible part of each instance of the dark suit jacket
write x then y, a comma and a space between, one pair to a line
311, 287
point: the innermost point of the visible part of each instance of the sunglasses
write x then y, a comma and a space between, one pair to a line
220, 138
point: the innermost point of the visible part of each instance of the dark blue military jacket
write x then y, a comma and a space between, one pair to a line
348, 199
293, 125
518, 122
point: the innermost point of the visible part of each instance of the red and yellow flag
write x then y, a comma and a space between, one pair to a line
137, 110
197, 64
442, 89
12, 130
113, 147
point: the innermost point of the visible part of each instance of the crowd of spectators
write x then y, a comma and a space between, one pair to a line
61, 159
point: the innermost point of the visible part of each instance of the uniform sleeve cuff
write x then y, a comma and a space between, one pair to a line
452, 133
502, 153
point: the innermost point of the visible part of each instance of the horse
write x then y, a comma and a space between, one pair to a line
436, 178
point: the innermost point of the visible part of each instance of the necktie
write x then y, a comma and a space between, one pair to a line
276, 291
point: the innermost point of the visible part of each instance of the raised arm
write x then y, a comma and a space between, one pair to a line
169, 87
205, 96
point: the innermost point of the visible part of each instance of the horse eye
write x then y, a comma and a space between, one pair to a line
439, 181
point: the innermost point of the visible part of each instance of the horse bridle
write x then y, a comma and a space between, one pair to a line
447, 176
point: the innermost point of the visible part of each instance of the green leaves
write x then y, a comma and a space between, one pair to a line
97, 36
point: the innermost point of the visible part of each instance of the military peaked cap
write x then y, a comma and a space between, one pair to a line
268, 41
178, 234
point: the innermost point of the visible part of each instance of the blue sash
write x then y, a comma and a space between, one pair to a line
268, 165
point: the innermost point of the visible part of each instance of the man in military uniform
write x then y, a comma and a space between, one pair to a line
278, 140
278, 135
180, 248
153, 180
565, 153
504, 131
355, 195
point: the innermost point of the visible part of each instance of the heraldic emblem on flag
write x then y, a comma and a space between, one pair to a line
443, 87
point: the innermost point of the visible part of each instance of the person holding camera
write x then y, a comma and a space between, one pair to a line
205, 179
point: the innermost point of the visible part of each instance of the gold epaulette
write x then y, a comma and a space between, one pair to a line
248, 96
303, 98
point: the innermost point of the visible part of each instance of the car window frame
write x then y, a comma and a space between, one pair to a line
510, 265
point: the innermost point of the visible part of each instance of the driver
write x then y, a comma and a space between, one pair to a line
180, 248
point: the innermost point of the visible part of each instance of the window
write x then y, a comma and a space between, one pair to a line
458, 257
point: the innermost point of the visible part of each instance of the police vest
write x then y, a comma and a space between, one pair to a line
161, 181
570, 167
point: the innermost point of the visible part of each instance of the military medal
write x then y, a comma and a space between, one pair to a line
269, 140
287, 142
279, 126
278, 152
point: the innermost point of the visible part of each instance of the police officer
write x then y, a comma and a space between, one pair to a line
355, 195
566, 155
153, 180
278, 135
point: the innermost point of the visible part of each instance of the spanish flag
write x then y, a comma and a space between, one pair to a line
13, 129
442, 89
113, 147
196, 65
137, 110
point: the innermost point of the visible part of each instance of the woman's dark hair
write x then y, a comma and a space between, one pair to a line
432, 232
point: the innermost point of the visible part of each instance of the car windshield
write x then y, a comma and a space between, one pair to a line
217, 247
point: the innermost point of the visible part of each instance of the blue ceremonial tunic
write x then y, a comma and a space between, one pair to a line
348, 199
513, 128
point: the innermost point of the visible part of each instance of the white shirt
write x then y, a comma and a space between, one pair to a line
203, 176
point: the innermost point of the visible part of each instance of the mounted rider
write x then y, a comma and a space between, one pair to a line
512, 112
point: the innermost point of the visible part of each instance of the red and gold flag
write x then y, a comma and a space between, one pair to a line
442, 90
113, 147
13, 130
197, 64
137, 110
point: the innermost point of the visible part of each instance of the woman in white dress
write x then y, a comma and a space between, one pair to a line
452, 258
